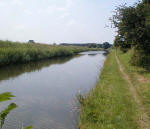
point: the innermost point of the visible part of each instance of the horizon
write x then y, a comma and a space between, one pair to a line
62, 21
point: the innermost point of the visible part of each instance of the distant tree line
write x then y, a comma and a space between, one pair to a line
104, 45
133, 31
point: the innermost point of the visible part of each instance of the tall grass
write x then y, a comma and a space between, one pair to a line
15, 52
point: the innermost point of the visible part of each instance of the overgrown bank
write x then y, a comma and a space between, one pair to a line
11, 53
111, 104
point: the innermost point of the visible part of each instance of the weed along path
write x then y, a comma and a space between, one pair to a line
143, 121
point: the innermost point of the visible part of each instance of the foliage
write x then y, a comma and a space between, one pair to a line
106, 45
133, 28
29, 127
6, 96
89, 45
3, 114
92, 45
140, 58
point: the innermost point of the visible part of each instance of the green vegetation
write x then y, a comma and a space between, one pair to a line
109, 105
121, 99
3, 114
102, 46
11, 52
139, 77
133, 25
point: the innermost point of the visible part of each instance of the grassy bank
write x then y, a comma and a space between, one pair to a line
109, 105
11, 53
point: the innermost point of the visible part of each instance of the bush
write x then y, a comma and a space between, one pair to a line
139, 58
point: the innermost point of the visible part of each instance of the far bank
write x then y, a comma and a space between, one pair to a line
16, 53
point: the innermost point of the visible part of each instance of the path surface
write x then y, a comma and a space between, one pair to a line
144, 121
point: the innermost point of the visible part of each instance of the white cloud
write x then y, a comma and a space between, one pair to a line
55, 8
17, 2
2, 4
28, 12
65, 15
49, 10
71, 22
19, 27
69, 3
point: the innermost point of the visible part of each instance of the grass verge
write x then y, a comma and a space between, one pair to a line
109, 105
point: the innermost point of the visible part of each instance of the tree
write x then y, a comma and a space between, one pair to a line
92, 45
133, 30
146, 1
106, 45
124, 20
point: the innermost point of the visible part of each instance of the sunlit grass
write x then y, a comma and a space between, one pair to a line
14, 52
109, 105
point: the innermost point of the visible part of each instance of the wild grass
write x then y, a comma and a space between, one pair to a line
139, 77
15, 52
109, 105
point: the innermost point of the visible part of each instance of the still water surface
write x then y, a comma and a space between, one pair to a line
46, 92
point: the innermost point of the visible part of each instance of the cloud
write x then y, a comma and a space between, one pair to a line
65, 15
19, 27
17, 2
28, 12
55, 8
69, 3
49, 10
2, 4
71, 22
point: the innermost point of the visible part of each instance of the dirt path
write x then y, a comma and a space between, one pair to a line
144, 121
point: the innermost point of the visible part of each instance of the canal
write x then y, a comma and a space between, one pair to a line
46, 91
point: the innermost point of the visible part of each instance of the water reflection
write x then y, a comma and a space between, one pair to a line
13, 71
46, 92
92, 54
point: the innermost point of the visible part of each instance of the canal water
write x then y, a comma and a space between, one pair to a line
46, 91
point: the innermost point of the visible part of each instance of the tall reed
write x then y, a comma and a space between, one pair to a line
15, 52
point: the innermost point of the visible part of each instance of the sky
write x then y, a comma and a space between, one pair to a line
58, 21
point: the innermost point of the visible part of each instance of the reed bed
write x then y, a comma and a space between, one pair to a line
16, 52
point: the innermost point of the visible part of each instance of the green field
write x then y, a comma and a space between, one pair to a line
14, 52
117, 101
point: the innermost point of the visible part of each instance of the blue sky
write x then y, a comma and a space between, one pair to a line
50, 21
